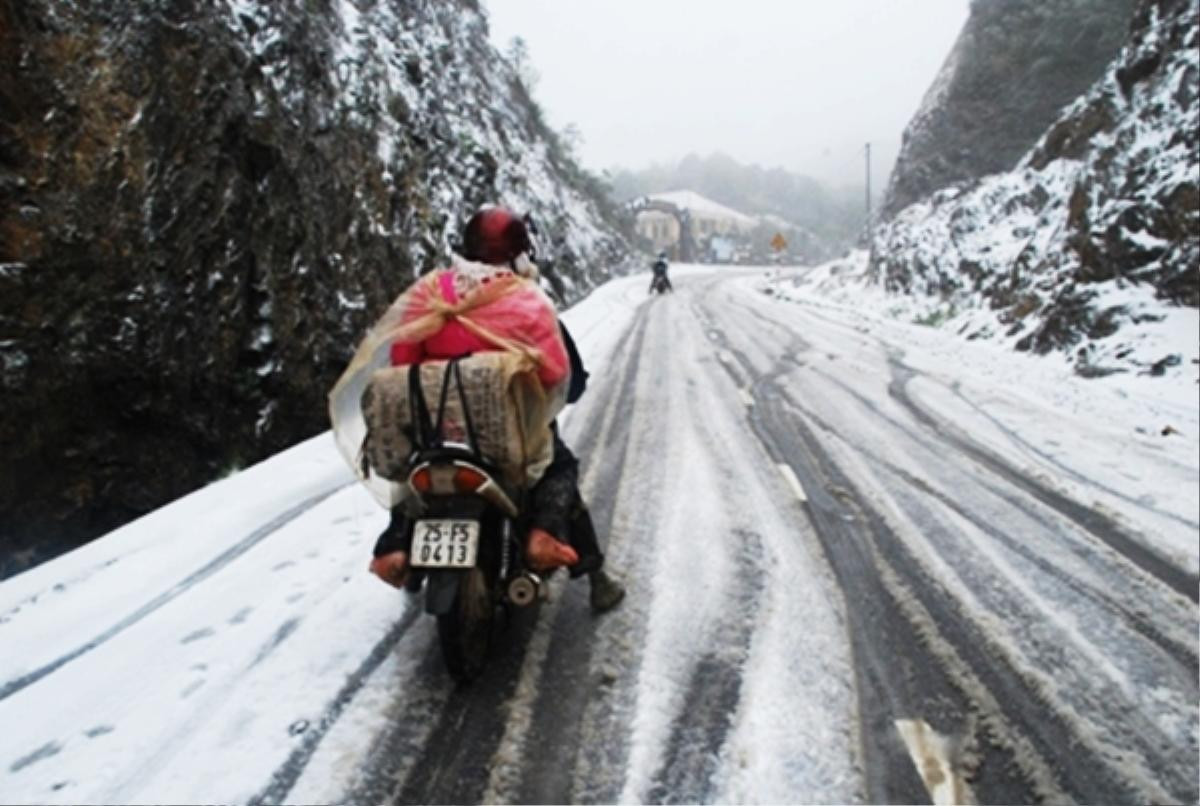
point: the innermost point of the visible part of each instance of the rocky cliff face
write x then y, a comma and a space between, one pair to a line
1091, 247
1014, 66
202, 206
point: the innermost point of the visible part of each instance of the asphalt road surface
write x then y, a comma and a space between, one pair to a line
1000, 642
835, 595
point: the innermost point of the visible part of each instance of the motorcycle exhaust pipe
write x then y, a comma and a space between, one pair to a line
524, 589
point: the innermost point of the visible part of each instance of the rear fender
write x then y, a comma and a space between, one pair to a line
441, 586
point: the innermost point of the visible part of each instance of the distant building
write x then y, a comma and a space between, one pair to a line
658, 227
719, 234
707, 216
661, 218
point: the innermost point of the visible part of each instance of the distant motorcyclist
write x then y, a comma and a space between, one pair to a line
659, 270
561, 530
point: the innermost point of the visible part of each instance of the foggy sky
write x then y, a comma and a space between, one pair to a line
801, 84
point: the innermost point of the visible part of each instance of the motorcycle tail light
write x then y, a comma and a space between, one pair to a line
421, 481
468, 479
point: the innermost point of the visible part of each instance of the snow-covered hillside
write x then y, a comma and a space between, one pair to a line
1091, 247
952, 333
1013, 67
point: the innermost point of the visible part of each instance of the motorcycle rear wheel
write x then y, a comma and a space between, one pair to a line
465, 633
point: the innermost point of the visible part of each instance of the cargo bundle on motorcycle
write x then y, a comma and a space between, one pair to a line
519, 381
489, 402
457, 432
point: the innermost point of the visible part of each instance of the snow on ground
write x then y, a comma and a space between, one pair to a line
268, 561
183, 657
165, 624
1138, 437
789, 731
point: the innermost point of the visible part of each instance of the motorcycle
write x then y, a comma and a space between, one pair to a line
465, 542
660, 284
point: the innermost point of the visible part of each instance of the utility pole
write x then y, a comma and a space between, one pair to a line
868, 187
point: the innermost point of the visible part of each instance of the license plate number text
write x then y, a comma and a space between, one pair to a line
445, 543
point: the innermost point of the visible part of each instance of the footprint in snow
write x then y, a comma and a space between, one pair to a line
45, 751
197, 635
241, 615
191, 688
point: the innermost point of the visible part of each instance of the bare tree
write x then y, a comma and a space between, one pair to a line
518, 57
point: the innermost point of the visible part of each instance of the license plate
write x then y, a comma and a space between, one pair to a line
445, 543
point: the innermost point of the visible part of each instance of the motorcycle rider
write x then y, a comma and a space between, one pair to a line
561, 529
659, 269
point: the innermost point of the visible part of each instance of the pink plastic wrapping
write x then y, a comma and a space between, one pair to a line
467, 308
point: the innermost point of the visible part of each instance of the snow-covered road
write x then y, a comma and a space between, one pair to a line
866, 562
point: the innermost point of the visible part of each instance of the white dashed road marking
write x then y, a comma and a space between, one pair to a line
930, 752
789, 476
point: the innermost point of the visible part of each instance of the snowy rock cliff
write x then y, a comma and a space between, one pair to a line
202, 206
1091, 246
1015, 65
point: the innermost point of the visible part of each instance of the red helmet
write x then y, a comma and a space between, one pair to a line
495, 235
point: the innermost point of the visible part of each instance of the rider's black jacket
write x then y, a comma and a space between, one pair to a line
579, 375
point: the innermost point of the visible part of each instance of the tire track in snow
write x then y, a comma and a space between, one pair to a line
1083, 669
1103, 528
695, 682
168, 750
876, 635
713, 691
581, 726
1182, 654
551, 742
624, 368
452, 765
1143, 770
282, 780
203, 573
1016, 729
699, 731
1016, 439
916, 658
628, 504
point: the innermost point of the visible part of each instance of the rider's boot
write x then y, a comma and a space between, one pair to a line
607, 592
